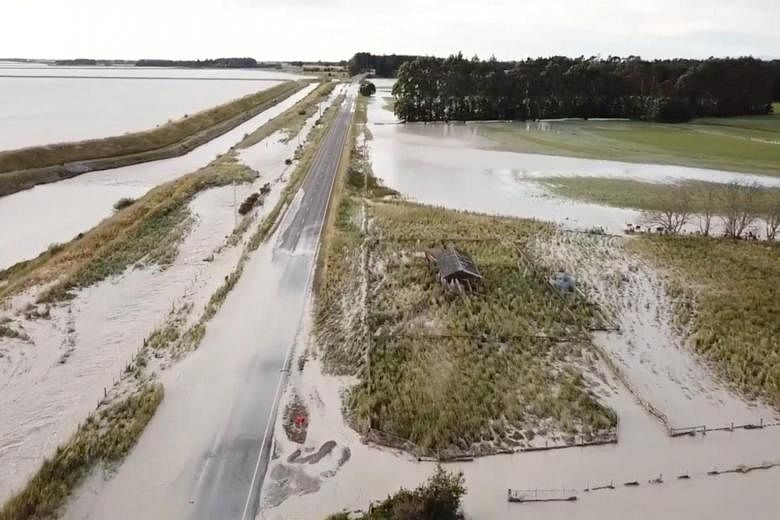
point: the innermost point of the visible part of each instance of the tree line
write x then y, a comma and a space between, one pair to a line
219, 63
384, 66
456, 88
743, 210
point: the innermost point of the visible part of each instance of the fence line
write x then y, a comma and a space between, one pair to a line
549, 495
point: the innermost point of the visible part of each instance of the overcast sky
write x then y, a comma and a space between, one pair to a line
335, 29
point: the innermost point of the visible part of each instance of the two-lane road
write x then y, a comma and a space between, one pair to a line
205, 452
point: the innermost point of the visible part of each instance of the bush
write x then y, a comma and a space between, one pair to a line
367, 88
123, 203
249, 204
437, 499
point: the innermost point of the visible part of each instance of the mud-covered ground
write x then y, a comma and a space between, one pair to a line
71, 354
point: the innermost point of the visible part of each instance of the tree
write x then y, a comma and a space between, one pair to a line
770, 213
675, 211
739, 207
367, 88
456, 88
706, 196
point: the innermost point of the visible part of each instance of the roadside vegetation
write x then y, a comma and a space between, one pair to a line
26, 167
438, 498
730, 292
738, 209
175, 337
292, 120
444, 374
146, 232
104, 439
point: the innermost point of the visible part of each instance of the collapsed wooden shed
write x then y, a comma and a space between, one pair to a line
455, 269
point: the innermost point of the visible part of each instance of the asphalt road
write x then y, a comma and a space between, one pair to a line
226, 492
206, 450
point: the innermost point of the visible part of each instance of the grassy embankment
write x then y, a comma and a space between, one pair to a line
650, 196
24, 168
731, 290
291, 121
108, 435
740, 144
453, 375
104, 438
147, 232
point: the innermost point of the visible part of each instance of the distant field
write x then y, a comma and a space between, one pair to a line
742, 144
628, 193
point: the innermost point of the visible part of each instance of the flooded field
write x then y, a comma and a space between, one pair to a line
77, 204
452, 165
86, 344
655, 382
644, 453
43, 105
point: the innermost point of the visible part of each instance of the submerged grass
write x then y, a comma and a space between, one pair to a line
146, 232
735, 286
103, 439
742, 144
292, 120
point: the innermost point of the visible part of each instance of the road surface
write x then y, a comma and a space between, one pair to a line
205, 452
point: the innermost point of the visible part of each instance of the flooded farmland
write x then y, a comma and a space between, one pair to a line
75, 205
45, 104
452, 165
649, 473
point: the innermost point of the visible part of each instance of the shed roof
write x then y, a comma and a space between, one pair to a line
451, 261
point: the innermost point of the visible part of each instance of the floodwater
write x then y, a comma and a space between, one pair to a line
433, 165
644, 453
55, 213
450, 165
44, 105
201, 455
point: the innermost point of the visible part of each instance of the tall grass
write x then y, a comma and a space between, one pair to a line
735, 291
474, 373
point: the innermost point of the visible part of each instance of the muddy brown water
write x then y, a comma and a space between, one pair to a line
443, 165
452, 165
41, 104
33, 219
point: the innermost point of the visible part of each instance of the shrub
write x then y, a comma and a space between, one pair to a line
437, 499
123, 203
367, 88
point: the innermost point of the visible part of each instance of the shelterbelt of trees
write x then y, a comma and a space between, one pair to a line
383, 66
455, 88
219, 63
